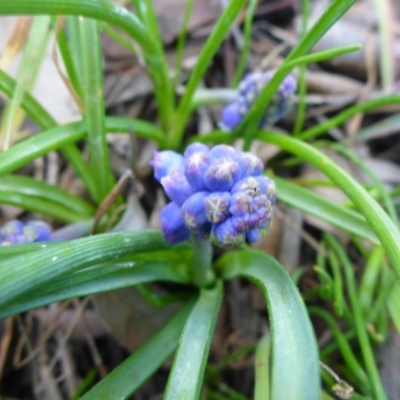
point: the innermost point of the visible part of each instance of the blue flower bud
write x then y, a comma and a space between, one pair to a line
231, 116
217, 206
255, 235
172, 224
194, 213
226, 235
222, 175
177, 187
240, 203
223, 151
268, 187
13, 227
37, 231
195, 148
250, 165
196, 165
164, 162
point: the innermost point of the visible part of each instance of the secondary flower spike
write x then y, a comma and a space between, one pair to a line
15, 232
249, 89
217, 193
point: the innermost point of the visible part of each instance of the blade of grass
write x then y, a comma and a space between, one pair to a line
46, 121
381, 224
343, 343
32, 59
313, 204
52, 139
142, 364
320, 129
210, 48
186, 377
302, 84
253, 118
92, 84
115, 14
365, 345
262, 369
294, 365
165, 98
180, 46
28, 271
40, 206
98, 279
383, 192
332, 14
248, 26
33, 188
67, 57
386, 20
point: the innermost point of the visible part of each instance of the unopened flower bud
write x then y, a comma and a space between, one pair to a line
194, 213
37, 231
172, 224
217, 206
219, 193
196, 165
164, 162
177, 187
226, 234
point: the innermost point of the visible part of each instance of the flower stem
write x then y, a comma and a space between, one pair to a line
203, 251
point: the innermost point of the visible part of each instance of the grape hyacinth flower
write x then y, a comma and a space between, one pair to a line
15, 232
218, 193
249, 89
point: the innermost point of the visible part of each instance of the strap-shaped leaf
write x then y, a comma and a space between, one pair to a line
23, 273
320, 207
135, 370
295, 370
187, 373
98, 279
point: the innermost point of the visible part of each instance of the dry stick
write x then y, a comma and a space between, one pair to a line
18, 362
121, 185
71, 327
372, 74
5, 342
342, 389
98, 362
304, 235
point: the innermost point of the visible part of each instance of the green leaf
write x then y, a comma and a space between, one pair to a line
324, 209
262, 369
332, 14
55, 138
32, 188
97, 279
108, 11
186, 376
23, 273
93, 98
214, 40
32, 59
139, 367
294, 367
381, 224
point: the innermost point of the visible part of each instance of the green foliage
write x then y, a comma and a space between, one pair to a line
35, 275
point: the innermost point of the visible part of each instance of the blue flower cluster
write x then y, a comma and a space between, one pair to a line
15, 232
249, 89
218, 193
